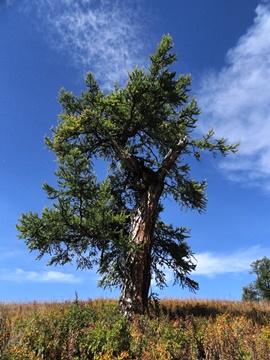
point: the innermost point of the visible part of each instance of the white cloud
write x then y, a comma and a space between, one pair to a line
211, 264
102, 36
237, 101
20, 275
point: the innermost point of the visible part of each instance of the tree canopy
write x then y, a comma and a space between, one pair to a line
259, 289
144, 132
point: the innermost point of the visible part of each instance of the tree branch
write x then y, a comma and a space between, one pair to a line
171, 157
130, 161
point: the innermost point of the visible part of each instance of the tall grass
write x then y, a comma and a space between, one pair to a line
174, 329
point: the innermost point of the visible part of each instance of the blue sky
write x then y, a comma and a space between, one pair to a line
46, 45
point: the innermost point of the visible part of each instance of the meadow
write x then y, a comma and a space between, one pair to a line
174, 329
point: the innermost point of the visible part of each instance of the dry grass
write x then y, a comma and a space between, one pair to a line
176, 329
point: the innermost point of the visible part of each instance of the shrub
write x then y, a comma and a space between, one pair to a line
94, 330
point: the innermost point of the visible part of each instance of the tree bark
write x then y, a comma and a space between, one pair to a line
149, 184
134, 295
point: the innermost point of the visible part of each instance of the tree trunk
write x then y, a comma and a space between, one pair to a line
134, 295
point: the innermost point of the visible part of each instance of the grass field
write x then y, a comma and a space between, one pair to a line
174, 329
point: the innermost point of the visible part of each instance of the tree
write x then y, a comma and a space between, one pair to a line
143, 131
260, 288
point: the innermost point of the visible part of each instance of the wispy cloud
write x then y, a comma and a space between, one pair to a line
6, 253
212, 264
237, 101
20, 275
102, 36
6, 2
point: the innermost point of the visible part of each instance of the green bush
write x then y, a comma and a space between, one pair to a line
94, 330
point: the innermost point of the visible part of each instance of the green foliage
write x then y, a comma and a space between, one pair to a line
260, 288
185, 329
144, 133
171, 250
69, 331
250, 293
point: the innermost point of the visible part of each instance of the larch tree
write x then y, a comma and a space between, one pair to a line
144, 132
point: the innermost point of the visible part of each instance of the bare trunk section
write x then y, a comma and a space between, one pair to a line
134, 295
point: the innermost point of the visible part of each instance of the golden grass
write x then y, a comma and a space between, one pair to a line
175, 329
